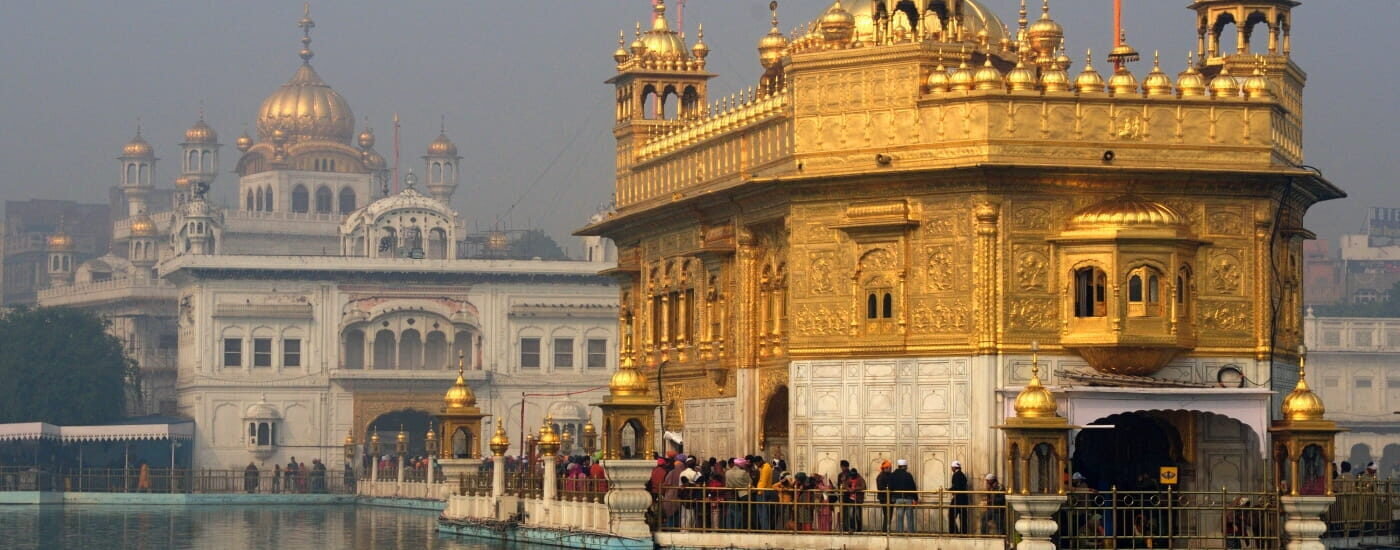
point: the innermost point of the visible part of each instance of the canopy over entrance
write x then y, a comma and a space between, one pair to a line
26, 431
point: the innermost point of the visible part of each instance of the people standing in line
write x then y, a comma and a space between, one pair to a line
826, 496
852, 500
290, 475
882, 494
250, 478
994, 518
905, 493
691, 495
957, 513
763, 494
736, 483
318, 472
670, 496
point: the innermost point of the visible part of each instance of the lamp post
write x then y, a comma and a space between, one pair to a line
374, 454
590, 438
566, 443
350, 451
401, 449
499, 445
430, 444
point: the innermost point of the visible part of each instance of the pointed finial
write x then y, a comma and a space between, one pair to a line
306, 25
1022, 21
700, 32
461, 362
773, 7
138, 126
1045, 9
1302, 362
1156, 59
621, 40
442, 125
1035, 360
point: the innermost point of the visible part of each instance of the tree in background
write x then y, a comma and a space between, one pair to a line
536, 244
59, 365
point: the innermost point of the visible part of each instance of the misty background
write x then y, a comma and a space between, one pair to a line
520, 85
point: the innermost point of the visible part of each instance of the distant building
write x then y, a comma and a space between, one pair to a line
28, 223
1354, 364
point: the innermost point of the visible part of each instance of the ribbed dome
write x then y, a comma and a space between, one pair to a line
1089, 81
459, 396
837, 24
60, 242
1256, 86
1127, 211
201, 133
1123, 83
938, 79
1157, 83
961, 78
1035, 401
1045, 34
244, 142
138, 147
628, 382
442, 146
1303, 404
307, 109
988, 77
143, 226
661, 41
1021, 78
1224, 85
500, 442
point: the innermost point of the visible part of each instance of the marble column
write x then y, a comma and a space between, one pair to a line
1304, 525
627, 497
498, 477
1036, 519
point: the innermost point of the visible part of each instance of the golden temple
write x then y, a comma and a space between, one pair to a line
852, 257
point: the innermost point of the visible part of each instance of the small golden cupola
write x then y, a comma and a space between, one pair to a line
938, 79
442, 146
700, 50
1257, 85
1045, 36
1302, 405
838, 25
1021, 78
1035, 401
988, 77
201, 133
60, 242
244, 142
459, 396
773, 45
1123, 83
1224, 86
138, 147
961, 78
1157, 83
1089, 81
1129, 268
1055, 78
1190, 81
143, 226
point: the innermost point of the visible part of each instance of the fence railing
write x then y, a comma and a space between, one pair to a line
582, 489
1365, 509
922, 513
178, 480
474, 484
524, 485
1170, 519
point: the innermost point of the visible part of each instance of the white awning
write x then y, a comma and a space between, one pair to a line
25, 431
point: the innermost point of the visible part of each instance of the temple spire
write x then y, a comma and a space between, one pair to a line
306, 25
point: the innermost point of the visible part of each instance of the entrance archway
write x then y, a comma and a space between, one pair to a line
775, 423
1135, 447
1211, 451
415, 424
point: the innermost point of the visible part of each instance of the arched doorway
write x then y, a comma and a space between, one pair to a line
775, 423
1128, 455
1359, 457
414, 423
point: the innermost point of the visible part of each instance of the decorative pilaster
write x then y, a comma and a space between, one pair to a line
985, 272
1303, 523
627, 497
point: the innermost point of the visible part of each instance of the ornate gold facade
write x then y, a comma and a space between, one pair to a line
864, 202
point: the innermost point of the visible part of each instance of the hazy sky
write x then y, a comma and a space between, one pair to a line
520, 83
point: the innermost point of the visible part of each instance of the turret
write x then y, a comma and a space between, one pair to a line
443, 166
60, 267
142, 244
199, 158
138, 161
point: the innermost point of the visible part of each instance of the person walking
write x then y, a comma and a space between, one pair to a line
994, 518
852, 501
276, 478
882, 494
250, 478
905, 493
957, 513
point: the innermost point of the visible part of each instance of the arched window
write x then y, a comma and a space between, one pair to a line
384, 350
206, 161
323, 200
888, 311
267, 199
354, 349
435, 352
301, 199
872, 307
250, 201
410, 350
1135, 288
131, 173
447, 172
435, 175
1144, 293
192, 163
1154, 290
437, 243
347, 200
1089, 292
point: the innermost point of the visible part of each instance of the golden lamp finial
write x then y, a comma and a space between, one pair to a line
773, 7
306, 25
1302, 404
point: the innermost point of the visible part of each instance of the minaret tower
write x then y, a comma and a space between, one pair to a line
141, 251
442, 166
60, 268
197, 223
660, 82
138, 162
199, 157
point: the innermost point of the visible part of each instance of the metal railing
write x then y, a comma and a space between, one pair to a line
982, 514
1365, 509
178, 480
523, 485
474, 484
582, 489
1170, 519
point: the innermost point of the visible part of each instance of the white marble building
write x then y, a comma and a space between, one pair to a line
1357, 366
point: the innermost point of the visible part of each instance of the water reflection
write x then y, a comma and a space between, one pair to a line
175, 527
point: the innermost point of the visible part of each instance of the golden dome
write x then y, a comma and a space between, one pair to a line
938, 79
60, 242
307, 109
1055, 79
1157, 83
1035, 401
1127, 211
1123, 53
1302, 404
621, 54
638, 47
1256, 86
1045, 34
837, 24
1224, 85
1021, 78
367, 138
975, 19
201, 133
442, 146
459, 396
1123, 82
988, 77
773, 45
661, 41
182, 183
961, 78
699, 50
1063, 60
143, 226
243, 143
1089, 81
138, 147
1190, 81
628, 382
500, 443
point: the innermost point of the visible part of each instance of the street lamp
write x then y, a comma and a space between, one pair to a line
566, 443
401, 442
430, 442
350, 448
590, 438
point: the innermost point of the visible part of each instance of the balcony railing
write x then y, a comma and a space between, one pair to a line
1170, 519
178, 480
1364, 511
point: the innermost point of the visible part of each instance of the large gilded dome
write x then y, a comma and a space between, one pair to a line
307, 109
976, 18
